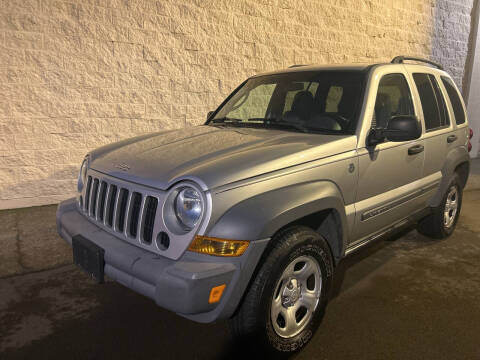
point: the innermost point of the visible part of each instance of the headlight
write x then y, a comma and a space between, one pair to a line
188, 207
82, 177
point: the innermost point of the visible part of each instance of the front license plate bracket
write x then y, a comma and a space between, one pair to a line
89, 257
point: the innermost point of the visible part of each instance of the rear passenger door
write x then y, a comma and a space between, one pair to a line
438, 129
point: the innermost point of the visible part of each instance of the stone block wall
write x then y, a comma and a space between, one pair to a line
78, 74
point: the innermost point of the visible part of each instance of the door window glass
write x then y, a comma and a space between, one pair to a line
435, 112
393, 98
334, 96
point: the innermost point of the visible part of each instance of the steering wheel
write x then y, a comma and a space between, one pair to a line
339, 119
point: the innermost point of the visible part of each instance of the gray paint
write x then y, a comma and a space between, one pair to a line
263, 215
217, 156
258, 181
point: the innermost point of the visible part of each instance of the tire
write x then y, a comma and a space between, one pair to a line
436, 225
283, 286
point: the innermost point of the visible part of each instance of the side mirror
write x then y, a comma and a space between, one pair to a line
399, 128
209, 114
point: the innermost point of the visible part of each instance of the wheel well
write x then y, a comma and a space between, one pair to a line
328, 224
462, 171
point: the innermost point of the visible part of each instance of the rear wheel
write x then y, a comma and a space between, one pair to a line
443, 219
286, 301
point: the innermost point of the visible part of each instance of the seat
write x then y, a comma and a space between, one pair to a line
404, 106
383, 110
346, 106
302, 106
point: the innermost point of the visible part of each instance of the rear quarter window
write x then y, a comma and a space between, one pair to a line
454, 100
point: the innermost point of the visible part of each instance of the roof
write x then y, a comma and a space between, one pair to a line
304, 68
353, 66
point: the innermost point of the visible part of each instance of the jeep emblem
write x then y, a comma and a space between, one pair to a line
122, 166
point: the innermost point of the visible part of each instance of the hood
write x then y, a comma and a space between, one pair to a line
213, 156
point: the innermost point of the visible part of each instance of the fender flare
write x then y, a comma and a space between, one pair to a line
261, 216
454, 158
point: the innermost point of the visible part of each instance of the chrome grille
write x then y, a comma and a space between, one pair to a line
133, 212
128, 210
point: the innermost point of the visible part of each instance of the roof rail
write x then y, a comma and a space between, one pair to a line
296, 65
401, 59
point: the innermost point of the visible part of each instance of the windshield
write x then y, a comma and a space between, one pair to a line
320, 101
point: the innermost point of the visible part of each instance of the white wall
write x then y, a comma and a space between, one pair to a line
473, 81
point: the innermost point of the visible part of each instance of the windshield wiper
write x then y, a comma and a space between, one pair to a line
265, 122
226, 120
273, 122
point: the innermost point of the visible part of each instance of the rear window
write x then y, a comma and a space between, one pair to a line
455, 100
435, 112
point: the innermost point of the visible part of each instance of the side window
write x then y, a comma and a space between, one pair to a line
442, 105
393, 98
455, 100
433, 104
333, 99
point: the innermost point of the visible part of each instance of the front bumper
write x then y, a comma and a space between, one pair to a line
182, 285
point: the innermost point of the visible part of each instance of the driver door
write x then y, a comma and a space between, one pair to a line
390, 172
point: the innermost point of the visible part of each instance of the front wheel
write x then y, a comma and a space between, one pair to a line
286, 301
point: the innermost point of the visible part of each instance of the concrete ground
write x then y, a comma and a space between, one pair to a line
403, 298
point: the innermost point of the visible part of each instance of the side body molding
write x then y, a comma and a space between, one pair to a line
260, 216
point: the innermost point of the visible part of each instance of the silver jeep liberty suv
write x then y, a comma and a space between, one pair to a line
245, 217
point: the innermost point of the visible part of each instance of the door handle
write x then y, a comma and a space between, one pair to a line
451, 138
416, 149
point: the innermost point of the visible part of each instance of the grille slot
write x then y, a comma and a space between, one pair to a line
94, 197
149, 219
111, 204
123, 199
135, 213
102, 199
87, 193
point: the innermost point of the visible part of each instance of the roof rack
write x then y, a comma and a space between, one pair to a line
296, 65
401, 59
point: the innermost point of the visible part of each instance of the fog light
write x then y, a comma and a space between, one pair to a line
163, 241
218, 247
216, 294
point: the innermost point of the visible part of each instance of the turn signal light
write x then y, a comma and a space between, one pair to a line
218, 247
216, 294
